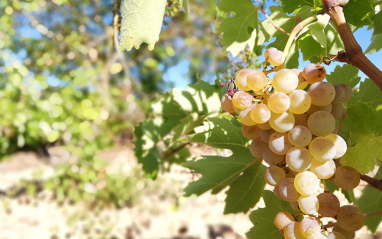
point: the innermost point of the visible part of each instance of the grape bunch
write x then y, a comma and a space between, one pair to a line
291, 120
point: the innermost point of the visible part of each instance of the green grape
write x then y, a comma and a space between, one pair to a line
279, 143
339, 143
274, 175
321, 93
302, 83
266, 134
329, 204
245, 116
298, 159
348, 91
300, 102
287, 190
271, 158
282, 219
250, 132
309, 227
282, 122
278, 102
346, 234
301, 119
274, 56
265, 126
323, 170
315, 108
260, 113
276, 190
346, 177
300, 136
291, 231
321, 123
306, 183
350, 218
308, 204
242, 100
256, 80
241, 79
314, 73
337, 111
340, 94
257, 147
285, 81
336, 235
322, 149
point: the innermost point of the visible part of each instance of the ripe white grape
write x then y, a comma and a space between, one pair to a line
285, 81
250, 132
321, 123
294, 206
266, 134
274, 56
348, 235
340, 94
291, 231
260, 113
306, 183
337, 111
282, 122
336, 235
257, 147
299, 101
322, 149
226, 103
265, 126
268, 52
339, 143
279, 143
350, 218
323, 170
321, 93
274, 175
314, 73
301, 119
346, 177
300, 136
308, 204
271, 158
348, 91
298, 159
278, 102
309, 227
287, 190
282, 219
241, 79
256, 80
315, 108
242, 100
245, 116
329, 204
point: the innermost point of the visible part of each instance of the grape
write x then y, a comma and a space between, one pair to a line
282, 219
278, 102
315, 108
274, 56
348, 91
350, 218
298, 159
302, 83
301, 119
337, 111
340, 94
226, 103
306, 183
257, 147
271, 158
242, 100
343, 2
287, 190
339, 143
299, 102
265, 126
291, 231
274, 175
245, 116
308, 204
321, 93
285, 81
314, 73
309, 227
322, 149
323, 170
282, 122
260, 113
279, 143
237, 110
346, 177
266, 134
241, 79
256, 80
294, 206
268, 52
276, 191
346, 234
329, 204
336, 235
321, 123
250, 132
300, 136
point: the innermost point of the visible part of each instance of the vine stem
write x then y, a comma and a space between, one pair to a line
332, 224
372, 181
274, 24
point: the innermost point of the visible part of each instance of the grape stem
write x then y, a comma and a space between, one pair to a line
372, 182
352, 54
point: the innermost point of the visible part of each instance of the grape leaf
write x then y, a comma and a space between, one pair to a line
240, 28
375, 45
317, 29
141, 22
262, 218
347, 74
368, 93
378, 23
368, 206
359, 12
290, 6
291, 60
335, 43
218, 172
310, 48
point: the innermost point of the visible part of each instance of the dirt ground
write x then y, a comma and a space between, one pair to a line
161, 213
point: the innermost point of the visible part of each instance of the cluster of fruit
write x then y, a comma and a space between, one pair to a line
291, 121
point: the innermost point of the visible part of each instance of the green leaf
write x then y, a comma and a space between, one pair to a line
311, 48
331, 186
368, 93
262, 218
291, 60
371, 201
239, 29
317, 29
335, 43
245, 191
347, 74
377, 23
359, 12
349, 195
291, 6
141, 22
375, 45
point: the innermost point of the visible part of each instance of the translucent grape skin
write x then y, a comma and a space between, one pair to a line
340, 94
301, 119
250, 132
314, 73
260, 113
257, 147
274, 175
336, 235
282, 122
242, 100
323, 170
299, 102
321, 93
271, 158
337, 111
306, 183
256, 80
245, 116
278, 102
315, 108
265, 126
285, 81
321, 123
298, 159
350, 218
348, 91
291, 231
274, 56
226, 103
300, 136
308, 204
287, 190
329, 204
322, 149
282, 219
309, 227
339, 143
346, 234
279, 143
266, 134
241, 79
346, 177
